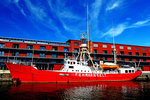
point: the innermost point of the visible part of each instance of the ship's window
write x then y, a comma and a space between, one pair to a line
132, 71
129, 71
77, 62
70, 66
68, 62
73, 62
126, 71
72, 70
81, 70
85, 71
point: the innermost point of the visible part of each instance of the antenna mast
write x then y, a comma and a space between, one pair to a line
114, 47
87, 27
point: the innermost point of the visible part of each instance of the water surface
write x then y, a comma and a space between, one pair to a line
76, 91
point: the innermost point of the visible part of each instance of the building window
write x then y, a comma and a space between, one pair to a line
130, 53
95, 57
149, 49
112, 52
104, 52
122, 59
1, 53
42, 54
15, 45
42, 47
143, 49
29, 46
121, 47
76, 50
95, 45
65, 49
15, 53
137, 59
136, 48
29, 54
76, 43
130, 59
129, 48
121, 52
144, 54
137, 53
54, 48
54, 55
104, 58
2, 45
144, 59
112, 46
95, 51
104, 46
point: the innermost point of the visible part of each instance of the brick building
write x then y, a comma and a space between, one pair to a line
49, 55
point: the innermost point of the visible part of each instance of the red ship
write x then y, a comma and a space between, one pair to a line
80, 69
75, 70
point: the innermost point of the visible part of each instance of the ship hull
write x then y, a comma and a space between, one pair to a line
24, 73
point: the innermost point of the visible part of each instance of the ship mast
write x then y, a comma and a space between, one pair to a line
114, 47
87, 28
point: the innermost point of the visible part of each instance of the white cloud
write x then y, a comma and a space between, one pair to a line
120, 28
142, 22
112, 5
96, 7
116, 31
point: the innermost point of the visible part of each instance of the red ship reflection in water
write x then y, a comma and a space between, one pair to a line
90, 90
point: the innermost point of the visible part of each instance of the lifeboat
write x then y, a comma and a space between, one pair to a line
109, 66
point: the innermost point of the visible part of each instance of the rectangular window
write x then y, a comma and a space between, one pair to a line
29, 46
121, 47
112, 46
104, 58
122, 59
71, 67
144, 54
95, 51
121, 52
95, 57
1, 53
65, 49
104, 46
54, 55
95, 45
15, 53
2, 45
15, 45
136, 48
129, 48
42, 54
143, 49
137, 53
54, 48
149, 49
29, 54
104, 52
42, 47
76, 43
130, 59
76, 50
130, 53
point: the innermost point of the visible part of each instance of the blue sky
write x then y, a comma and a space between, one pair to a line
60, 20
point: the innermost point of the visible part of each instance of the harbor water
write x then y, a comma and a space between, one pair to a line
75, 91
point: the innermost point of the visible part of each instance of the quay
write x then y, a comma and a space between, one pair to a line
6, 77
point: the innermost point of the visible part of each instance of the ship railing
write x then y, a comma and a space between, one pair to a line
21, 62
